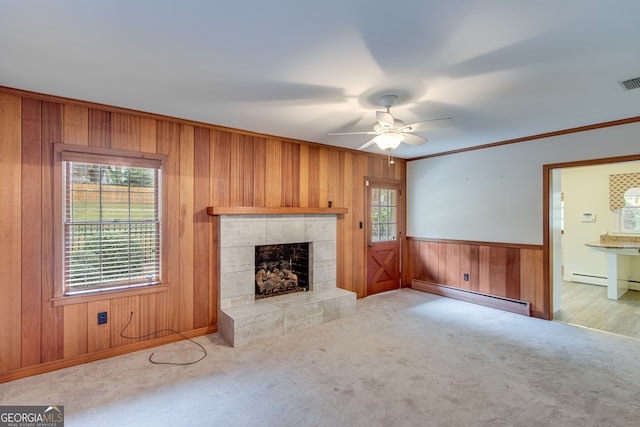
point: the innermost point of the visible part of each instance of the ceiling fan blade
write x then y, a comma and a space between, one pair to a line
428, 125
366, 144
414, 139
385, 119
353, 133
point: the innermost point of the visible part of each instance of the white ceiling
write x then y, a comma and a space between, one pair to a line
501, 69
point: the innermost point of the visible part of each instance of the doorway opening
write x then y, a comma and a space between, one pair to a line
578, 211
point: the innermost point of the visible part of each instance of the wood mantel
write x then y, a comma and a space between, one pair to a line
251, 210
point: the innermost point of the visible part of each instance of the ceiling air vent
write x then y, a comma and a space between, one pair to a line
631, 83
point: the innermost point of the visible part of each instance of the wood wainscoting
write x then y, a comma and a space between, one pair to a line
500, 269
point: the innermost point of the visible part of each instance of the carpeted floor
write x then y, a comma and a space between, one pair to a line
406, 358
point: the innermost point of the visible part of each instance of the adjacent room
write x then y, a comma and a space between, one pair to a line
340, 213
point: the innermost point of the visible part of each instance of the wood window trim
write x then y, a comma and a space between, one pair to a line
108, 294
66, 151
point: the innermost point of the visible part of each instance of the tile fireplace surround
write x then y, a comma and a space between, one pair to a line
242, 319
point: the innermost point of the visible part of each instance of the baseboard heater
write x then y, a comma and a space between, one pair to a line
604, 278
501, 303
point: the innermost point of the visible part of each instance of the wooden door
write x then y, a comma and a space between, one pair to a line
383, 234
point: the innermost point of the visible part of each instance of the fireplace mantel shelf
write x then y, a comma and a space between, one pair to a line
251, 210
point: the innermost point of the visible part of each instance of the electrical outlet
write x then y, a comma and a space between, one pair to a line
102, 318
466, 277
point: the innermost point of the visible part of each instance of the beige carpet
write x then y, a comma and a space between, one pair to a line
405, 359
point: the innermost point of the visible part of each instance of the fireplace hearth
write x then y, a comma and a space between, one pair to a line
246, 317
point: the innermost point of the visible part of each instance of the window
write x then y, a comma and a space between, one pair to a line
383, 214
630, 212
111, 221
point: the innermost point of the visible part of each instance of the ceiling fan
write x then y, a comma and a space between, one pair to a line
390, 132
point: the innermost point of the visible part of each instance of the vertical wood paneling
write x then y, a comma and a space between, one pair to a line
201, 229
358, 210
220, 168
512, 279
377, 167
76, 125
295, 177
497, 270
411, 268
259, 172
31, 240
52, 317
148, 316
75, 330
452, 264
484, 284
434, 265
345, 224
125, 132
245, 165
98, 336
218, 197
186, 226
430, 258
123, 323
99, 128
237, 172
148, 128
304, 176
273, 173
333, 177
531, 280
313, 172
474, 269
213, 270
10, 231
323, 176
287, 175
465, 266
168, 307
400, 171
442, 262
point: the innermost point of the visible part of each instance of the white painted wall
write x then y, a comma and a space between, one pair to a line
495, 194
586, 189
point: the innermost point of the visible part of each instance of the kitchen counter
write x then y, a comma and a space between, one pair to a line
614, 244
618, 252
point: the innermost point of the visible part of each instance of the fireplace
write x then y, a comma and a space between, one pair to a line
243, 315
281, 269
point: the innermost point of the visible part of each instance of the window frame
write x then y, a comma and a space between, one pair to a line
107, 156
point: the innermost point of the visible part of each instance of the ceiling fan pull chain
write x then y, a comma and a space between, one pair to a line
390, 159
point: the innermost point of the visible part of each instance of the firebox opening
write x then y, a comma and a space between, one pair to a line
282, 269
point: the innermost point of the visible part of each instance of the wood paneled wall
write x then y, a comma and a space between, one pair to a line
511, 271
207, 166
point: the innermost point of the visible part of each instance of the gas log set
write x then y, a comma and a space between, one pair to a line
281, 269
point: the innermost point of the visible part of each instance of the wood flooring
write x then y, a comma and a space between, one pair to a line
588, 305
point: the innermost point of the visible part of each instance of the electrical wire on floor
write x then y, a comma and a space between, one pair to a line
173, 331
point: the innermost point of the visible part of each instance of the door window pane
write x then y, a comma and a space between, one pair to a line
383, 214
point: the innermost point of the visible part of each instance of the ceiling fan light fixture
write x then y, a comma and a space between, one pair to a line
388, 141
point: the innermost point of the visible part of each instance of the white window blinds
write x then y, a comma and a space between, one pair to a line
112, 222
